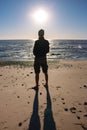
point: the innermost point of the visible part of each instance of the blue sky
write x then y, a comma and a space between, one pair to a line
67, 19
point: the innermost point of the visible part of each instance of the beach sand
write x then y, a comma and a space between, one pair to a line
63, 106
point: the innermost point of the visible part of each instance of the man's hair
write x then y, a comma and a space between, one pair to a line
41, 32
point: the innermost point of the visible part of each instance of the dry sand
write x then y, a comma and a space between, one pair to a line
63, 106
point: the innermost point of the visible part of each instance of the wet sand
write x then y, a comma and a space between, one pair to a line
63, 106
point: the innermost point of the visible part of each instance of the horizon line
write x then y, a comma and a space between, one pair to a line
46, 38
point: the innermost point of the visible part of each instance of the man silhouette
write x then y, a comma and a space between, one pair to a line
41, 48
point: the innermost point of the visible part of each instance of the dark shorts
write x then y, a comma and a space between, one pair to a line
40, 62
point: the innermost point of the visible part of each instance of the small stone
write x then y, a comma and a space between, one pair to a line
79, 103
85, 86
85, 103
22, 84
31, 72
20, 124
5, 86
62, 98
79, 111
66, 109
40, 93
18, 96
78, 117
27, 74
72, 108
85, 115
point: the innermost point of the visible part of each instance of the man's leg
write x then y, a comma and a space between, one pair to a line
45, 71
37, 71
37, 79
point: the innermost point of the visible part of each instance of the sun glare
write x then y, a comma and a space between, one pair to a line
40, 16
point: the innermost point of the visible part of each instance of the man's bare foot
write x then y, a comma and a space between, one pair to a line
35, 87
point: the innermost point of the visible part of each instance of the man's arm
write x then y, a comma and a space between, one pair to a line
34, 49
47, 47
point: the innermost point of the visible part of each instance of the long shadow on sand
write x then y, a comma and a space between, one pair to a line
49, 123
35, 119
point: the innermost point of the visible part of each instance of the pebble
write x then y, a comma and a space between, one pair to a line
85, 103
22, 84
40, 93
85, 86
20, 124
85, 115
18, 96
31, 72
78, 117
66, 109
62, 98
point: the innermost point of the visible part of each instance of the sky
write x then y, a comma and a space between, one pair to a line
66, 19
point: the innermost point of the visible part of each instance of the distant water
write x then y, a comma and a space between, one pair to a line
21, 50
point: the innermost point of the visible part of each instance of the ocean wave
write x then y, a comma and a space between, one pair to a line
59, 49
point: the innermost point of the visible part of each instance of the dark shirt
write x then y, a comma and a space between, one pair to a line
41, 48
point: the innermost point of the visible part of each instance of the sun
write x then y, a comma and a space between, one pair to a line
40, 16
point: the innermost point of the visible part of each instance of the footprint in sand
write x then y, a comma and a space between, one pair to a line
58, 87
31, 72
28, 102
78, 117
5, 128
18, 96
85, 115
66, 109
85, 103
5, 86
85, 128
62, 98
20, 124
82, 125
54, 99
80, 111
85, 86
22, 84
73, 109
79, 104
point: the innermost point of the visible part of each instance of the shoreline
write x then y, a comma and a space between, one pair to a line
30, 63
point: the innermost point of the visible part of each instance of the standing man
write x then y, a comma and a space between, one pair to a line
41, 48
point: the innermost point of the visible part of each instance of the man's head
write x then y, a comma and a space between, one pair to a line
41, 33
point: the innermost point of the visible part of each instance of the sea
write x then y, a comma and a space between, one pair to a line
22, 50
